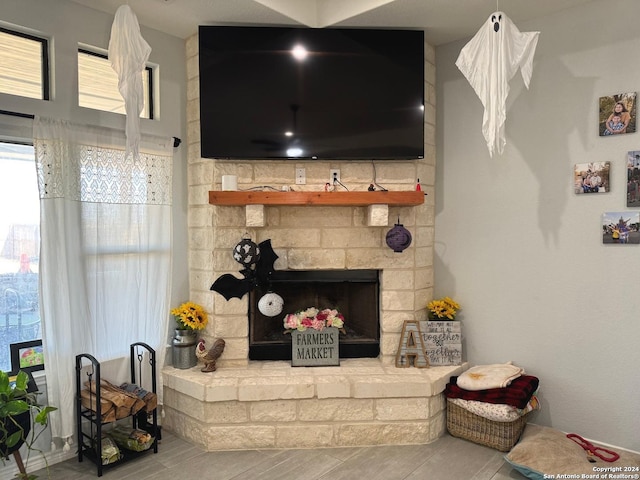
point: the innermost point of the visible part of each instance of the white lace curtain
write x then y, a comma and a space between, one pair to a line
105, 263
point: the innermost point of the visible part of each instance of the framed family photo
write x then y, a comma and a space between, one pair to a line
27, 356
633, 178
617, 114
621, 228
591, 177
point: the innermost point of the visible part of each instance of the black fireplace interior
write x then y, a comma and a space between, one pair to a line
355, 293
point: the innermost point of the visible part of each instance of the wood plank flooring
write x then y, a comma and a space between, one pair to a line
448, 458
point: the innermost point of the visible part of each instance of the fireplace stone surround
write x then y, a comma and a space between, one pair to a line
269, 404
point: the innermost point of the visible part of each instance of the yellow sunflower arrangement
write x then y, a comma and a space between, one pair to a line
444, 308
190, 316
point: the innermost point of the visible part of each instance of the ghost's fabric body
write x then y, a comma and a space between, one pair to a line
128, 54
489, 61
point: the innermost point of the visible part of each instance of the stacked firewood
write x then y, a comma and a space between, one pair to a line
117, 402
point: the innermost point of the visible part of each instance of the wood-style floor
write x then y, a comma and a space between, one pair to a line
448, 458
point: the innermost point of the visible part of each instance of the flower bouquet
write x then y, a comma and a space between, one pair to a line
315, 319
444, 308
190, 316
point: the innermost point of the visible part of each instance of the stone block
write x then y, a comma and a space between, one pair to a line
436, 427
407, 409
275, 411
222, 390
294, 238
185, 427
398, 279
378, 215
275, 388
392, 387
255, 216
389, 343
231, 326
240, 437
300, 259
397, 300
226, 412
335, 410
353, 237
360, 434
408, 433
333, 387
302, 436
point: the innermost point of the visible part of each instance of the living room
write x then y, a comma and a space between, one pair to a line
511, 241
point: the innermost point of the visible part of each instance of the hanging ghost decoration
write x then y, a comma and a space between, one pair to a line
489, 61
128, 54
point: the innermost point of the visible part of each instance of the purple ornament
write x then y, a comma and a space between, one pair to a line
398, 238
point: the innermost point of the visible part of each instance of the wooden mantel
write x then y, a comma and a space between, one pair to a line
403, 198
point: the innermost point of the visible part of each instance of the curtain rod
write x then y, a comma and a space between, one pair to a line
176, 140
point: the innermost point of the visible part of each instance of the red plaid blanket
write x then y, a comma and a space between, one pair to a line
517, 394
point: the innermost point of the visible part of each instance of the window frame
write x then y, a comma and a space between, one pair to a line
149, 71
44, 54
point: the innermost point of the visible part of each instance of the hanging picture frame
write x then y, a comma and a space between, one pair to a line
591, 177
621, 228
617, 114
633, 178
27, 356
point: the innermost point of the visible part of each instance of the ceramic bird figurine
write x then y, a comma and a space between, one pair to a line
209, 357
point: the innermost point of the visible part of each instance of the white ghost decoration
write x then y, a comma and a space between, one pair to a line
489, 61
128, 54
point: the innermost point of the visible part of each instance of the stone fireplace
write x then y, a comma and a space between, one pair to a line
264, 403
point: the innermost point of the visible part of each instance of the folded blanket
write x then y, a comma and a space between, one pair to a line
497, 412
518, 393
483, 377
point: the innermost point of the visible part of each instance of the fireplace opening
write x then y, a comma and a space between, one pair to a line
355, 293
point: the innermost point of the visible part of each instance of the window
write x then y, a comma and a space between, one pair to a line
24, 65
98, 85
19, 249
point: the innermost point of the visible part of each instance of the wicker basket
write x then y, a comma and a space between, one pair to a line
499, 435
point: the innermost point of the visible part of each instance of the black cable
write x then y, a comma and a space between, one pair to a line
375, 182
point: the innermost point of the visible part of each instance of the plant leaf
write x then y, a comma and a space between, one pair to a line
14, 438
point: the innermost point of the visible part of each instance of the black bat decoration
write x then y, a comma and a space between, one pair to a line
230, 286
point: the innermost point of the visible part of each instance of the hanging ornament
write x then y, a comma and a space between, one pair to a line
270, 304
398, 238
246, 252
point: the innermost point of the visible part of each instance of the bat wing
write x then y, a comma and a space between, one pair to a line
265, 266
229, 286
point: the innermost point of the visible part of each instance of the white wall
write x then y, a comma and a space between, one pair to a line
519, 250
67, 24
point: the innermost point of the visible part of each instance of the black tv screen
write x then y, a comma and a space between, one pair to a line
302, 93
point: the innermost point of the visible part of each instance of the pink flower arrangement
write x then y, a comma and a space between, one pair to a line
315, 319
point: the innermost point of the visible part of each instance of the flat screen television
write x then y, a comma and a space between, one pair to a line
303, 93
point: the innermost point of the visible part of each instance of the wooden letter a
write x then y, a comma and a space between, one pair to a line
411, 350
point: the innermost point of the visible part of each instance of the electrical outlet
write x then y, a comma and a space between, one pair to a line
334, 175
301, 176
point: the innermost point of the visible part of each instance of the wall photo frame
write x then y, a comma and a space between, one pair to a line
27, 356
617, 114
591, 177
633, 178
621, 228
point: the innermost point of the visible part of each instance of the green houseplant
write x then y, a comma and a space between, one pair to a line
19, 414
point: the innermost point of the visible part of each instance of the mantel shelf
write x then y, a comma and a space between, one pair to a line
337, 199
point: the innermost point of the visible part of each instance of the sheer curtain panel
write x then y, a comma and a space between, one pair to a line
105, 263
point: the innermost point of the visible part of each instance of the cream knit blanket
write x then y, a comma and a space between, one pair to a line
483, 377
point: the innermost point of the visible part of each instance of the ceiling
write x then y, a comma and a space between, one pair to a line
443, 21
